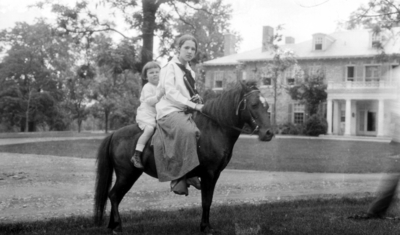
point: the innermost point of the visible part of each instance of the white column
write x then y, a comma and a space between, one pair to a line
329, 116
348, 117
381, 116
336, 118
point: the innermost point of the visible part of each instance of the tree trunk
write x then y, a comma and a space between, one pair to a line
149, 8
106, 113
275, 87
27, 112
79, 124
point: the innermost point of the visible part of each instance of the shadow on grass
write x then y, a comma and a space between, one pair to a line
321, 216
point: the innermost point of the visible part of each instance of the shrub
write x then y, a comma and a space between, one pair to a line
315, 125
291, 129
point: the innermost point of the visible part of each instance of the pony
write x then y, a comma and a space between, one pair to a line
220, 123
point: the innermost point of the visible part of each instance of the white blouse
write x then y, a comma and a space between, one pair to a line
177, 96
146, 113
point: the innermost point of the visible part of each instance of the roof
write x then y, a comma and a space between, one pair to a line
352, 43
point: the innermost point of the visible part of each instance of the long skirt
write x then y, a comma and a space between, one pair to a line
175, 146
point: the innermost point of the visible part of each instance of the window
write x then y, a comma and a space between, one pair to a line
342, 116
350, 73
298, 113
318, 43
289, 76
218, 79
290, 81
372, 73
244, 75
266, 79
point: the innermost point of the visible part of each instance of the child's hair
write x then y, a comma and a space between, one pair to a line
186, 37
147, 66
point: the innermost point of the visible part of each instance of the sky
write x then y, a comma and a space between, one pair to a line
300, 18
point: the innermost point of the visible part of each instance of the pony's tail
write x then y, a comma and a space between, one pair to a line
104, 176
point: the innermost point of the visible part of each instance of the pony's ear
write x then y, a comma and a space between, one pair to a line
252, 83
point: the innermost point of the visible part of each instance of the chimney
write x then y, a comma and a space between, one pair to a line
267, 37
229, 44
289, 40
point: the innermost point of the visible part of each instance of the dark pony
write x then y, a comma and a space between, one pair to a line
220, 124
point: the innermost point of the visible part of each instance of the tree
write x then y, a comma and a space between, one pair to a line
147, 16
78, 93
311, 93
282, 60
29, 74
377, 14
116, 88
209, 29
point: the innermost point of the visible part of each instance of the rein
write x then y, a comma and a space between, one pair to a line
244, 100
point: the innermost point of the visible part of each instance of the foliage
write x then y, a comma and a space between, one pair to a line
312, 92
30, 86
77, 93
377, 14
116, 89
315, 126
209, 29
291, 129
282, 60
149, 17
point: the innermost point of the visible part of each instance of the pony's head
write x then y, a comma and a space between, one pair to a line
253, 110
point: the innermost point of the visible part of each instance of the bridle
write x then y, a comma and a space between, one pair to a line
244, 101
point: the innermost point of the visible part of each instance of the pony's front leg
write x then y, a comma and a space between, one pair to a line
208, 182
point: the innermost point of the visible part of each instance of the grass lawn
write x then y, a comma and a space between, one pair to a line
303, 155
49, 134
321, 216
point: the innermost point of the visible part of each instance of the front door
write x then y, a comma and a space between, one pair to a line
367, 122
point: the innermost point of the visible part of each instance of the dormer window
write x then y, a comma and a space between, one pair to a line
321, 42
375, 39
318, 44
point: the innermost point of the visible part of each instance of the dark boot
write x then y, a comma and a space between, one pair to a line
136, 160
195, 182
179, 187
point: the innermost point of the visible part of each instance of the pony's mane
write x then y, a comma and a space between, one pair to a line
223, 107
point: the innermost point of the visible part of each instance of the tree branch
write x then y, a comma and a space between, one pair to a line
198, 9
180, 17
391, 13
391, 3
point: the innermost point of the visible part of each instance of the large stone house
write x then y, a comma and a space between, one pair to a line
362, 87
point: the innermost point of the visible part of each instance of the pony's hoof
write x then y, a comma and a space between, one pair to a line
207, 230
210, 232
116, 232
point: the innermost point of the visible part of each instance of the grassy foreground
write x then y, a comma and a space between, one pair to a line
303, 155
48, 134
322, 216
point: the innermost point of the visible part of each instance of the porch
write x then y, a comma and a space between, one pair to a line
362, 108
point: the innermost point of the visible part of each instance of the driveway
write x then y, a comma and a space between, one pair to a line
39, 187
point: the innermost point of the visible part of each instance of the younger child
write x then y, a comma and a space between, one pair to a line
146, 113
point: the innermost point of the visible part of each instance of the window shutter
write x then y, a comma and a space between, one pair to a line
384, 72
359, 69
210, 79
344, 73
290, 115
